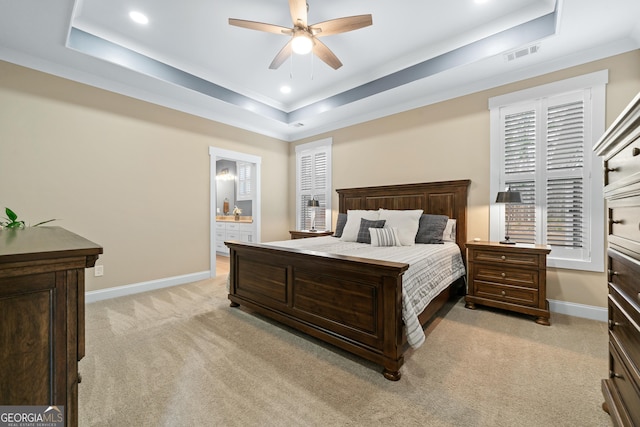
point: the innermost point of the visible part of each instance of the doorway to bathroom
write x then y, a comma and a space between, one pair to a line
235, 203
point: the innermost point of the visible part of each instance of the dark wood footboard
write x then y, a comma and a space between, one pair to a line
352, 303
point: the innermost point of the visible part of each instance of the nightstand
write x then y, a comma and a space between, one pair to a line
303, 234
510, 277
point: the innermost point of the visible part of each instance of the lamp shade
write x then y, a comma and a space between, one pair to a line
509, 197
313, 203
301, 43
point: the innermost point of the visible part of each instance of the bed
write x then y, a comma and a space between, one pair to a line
354, 303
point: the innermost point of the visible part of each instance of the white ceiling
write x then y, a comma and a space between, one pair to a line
416, 52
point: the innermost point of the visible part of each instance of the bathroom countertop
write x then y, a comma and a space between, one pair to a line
230, 218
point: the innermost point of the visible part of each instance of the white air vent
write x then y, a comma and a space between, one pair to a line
516, 54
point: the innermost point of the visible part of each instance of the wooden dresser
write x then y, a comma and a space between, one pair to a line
620, 149
511, 277
42, 326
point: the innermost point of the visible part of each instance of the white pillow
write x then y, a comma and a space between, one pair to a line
352, 227
449, 234
407, 223
384, 237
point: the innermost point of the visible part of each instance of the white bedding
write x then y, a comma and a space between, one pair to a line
431, 269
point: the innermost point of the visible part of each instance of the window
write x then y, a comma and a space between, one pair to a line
541, 146
245, 181
313, 179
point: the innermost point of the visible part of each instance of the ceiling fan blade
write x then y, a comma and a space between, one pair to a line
324, 53
298, 10
282, 56
340, 25
260, 26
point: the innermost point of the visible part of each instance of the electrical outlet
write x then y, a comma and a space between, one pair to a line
98, 270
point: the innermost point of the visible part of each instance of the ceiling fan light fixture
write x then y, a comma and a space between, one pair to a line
301, 43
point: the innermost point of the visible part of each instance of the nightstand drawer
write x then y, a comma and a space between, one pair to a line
508, 294
497, 257
506, 276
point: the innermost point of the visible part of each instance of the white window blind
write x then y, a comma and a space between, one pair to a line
245, 181
313, 172
541, 147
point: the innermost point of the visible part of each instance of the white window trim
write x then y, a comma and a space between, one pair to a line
326, 144
597, 82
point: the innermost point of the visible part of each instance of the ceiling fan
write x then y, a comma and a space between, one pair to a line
304, 37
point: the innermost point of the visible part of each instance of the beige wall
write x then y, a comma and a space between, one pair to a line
134, 177
128, 175
450, 140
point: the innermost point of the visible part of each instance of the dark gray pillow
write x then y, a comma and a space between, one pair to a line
342, 220
363, 234
430, 228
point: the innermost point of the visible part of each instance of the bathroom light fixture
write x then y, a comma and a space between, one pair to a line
508, 197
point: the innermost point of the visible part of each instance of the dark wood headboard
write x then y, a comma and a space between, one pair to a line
440, 198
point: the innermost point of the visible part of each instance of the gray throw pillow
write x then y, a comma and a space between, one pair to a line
342, 220
364, 236
431, 228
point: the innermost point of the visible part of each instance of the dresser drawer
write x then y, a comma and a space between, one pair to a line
506, 276
508, 294
623, 274
620, 168
624, 224
624, 330
624, 383
507, 258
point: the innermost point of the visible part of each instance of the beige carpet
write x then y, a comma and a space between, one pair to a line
182, 357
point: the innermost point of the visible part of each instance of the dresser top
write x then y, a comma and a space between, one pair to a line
33, 243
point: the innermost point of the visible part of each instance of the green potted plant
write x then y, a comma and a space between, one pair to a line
12, 222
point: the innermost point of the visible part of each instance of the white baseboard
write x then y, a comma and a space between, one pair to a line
135, 288
579, 310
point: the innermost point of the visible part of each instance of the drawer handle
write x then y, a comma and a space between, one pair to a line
503, 257
503, 293
614, 323
616, 221
635, 151
503, 275
615, 375
79, 378
610, 169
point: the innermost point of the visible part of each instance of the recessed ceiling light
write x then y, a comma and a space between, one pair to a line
285, 89
138, 17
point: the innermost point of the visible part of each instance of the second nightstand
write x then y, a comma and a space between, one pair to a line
303, 234
511, 277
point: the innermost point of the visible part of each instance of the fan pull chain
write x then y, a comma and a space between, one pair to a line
312, 65
291, 70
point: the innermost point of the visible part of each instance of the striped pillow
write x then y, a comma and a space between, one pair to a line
385, 237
